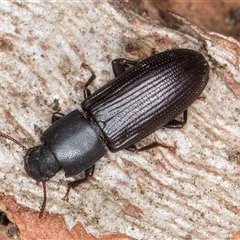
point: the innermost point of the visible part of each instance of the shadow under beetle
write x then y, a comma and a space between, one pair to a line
139, 100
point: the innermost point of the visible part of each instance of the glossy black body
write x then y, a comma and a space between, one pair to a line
147, 96
70, 143
74, 143
133, 105
130, 107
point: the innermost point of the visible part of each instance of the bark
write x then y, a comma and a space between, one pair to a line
190, 194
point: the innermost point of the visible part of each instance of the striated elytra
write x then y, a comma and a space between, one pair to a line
142, 98
148, 96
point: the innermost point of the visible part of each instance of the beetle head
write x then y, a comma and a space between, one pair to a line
40, 164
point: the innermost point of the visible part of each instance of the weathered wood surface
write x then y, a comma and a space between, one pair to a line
192, 194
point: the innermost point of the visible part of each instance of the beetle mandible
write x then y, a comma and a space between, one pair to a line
139, 100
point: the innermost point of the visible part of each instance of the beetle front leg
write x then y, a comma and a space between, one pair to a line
177, 124
120, 65
88, 174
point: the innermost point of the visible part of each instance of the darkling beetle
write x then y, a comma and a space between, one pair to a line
139, 100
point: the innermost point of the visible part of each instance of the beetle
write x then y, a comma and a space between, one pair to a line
143, 97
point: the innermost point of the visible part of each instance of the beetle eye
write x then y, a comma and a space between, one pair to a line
40, 163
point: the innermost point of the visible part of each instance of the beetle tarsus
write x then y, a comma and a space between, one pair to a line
133, 148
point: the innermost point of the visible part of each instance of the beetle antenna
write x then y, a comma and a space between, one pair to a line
44, 200
3, 135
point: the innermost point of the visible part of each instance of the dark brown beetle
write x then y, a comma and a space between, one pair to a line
137, 102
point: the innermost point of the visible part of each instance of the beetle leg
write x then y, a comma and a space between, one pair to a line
88, 174
86, 91
56, 116
177, 124
120, 65
133, 148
